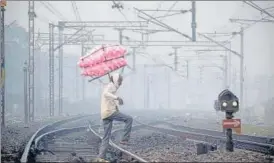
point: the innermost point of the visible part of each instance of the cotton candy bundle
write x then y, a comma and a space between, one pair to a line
104, 68
102, 60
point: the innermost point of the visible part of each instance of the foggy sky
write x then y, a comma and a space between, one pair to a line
211, 16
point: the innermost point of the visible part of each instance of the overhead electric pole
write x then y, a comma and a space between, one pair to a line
61, 41
26, 110
120, 30
226, 83
2, 80
193, 23
175, 58
134, 58
51, 69
187, 69
83, 52
168, 88
242, 68
31, 66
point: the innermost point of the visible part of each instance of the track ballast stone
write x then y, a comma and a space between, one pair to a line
160, 147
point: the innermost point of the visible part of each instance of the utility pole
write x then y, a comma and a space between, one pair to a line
168, 88
76, 83
61, 41
175, 58
242, 68
51, 69
25, 69
229, 70
133, 58
226, 83
2, 80
193, 23
201, 74
120, 35
31, 64
148, 92
187, 69
83, 80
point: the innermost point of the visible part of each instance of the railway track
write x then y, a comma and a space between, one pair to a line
257, 139
264, 148
30, 150
156, 146
165, 140
78, 145
74, 144
158, 141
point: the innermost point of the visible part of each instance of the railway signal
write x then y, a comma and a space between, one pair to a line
231, 123
229, 103
235, 124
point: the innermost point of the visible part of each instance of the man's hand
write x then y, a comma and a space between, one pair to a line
121, 102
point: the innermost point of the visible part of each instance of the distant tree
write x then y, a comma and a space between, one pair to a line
16, 48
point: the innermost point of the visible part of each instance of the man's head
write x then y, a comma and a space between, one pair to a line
117, 79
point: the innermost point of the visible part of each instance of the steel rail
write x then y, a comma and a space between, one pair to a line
60, 132
43, 130
257, 139
240, 144
118, 147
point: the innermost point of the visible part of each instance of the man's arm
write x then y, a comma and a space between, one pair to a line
108, 92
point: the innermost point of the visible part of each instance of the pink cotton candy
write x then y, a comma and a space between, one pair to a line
104, 68
99, 56
101, 61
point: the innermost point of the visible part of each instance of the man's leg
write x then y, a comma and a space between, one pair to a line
107, 123
118, 116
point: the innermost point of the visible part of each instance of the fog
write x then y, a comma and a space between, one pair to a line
194, 86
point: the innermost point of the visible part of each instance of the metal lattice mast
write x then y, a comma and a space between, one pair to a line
51, 70
26, 111
61, 40
193, 23
83, 51
31, 95
2, 81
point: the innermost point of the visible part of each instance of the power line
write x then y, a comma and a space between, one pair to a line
53, 10
252, 4
158, 7
170, 8
62, 16
76, 11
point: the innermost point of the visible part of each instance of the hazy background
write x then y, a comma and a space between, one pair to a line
198, 91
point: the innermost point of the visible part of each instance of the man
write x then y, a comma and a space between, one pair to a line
110, 112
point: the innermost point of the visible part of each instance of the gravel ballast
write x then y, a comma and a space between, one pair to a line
159, 147
15, 136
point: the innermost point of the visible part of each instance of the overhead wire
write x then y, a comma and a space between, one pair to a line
252, 4
158, 7
125, 17
55, 12
61, 16
247, 26
170, 8
76, 11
